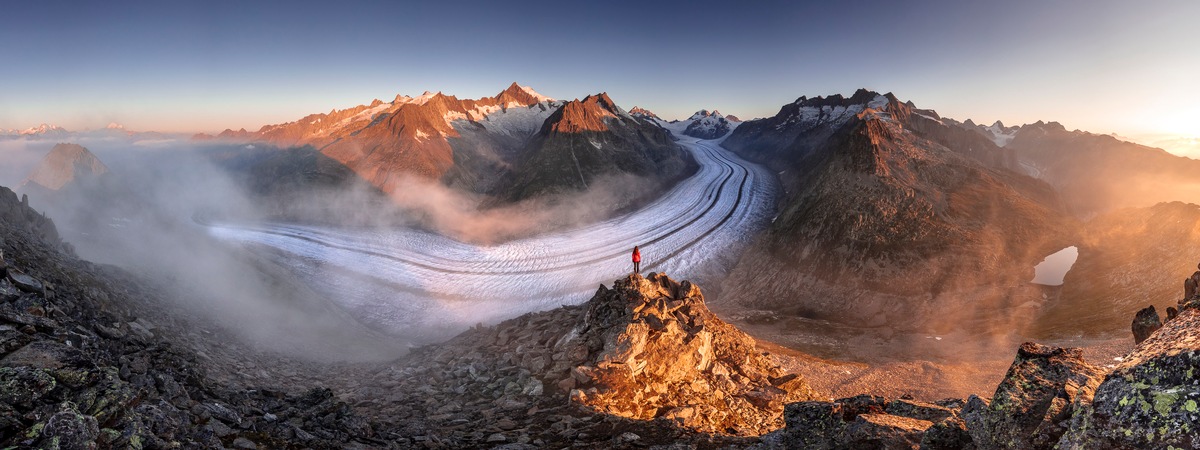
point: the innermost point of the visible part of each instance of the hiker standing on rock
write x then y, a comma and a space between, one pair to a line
637, 260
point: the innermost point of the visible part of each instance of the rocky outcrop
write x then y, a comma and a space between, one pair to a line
1145, 323
655, 351
1150, 400
19, 217
867, 421
1033, 404
648, 349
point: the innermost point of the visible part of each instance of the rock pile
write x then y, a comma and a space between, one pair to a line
648, 349
867, 421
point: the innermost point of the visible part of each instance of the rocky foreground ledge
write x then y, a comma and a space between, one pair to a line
1049, 399
88, 361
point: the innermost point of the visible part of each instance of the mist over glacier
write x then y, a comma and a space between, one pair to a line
422, 286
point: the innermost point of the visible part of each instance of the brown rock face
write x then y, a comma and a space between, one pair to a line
656, 351
584, 115
384, 140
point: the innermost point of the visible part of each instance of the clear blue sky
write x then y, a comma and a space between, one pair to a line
1103, 66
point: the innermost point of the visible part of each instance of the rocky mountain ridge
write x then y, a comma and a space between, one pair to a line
506, 147
890, 215
643, 113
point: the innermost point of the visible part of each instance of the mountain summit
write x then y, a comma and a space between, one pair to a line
707, 125
65, 164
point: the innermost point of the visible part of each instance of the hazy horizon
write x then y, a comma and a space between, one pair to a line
1103, 67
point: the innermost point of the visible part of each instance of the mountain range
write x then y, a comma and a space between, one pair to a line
889, 213
892, 215
513, 146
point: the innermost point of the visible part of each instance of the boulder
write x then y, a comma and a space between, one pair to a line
8, 292
1031, 407
918, 410
948, 434
69, 429
1145, 323
1152, 399
861, 422
811, 425
884, 431
25, 282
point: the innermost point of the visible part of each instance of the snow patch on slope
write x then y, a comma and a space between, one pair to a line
811, 116
540, 98
519, 122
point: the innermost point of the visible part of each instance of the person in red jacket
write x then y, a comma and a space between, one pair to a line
637, 260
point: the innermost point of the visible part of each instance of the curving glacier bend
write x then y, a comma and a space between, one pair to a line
423, 287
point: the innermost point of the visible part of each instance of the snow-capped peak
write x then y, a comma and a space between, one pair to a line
705, 124
535, 94
705, 113
115, 126
424, 98
42, 129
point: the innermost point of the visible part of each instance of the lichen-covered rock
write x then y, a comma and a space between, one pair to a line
885, 431
1151, 400
858, 422
69, 429
1033, 403
949, 434
1145, 323
812, 425
918, 410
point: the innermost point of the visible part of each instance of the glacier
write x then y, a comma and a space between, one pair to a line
423, 287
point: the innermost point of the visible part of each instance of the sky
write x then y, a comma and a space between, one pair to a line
202, 66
